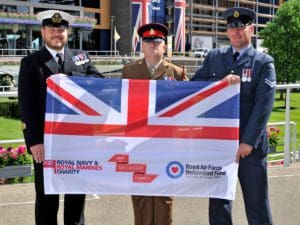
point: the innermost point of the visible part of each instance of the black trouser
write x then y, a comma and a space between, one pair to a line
46, 206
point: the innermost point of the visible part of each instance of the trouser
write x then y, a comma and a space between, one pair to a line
46, 206
254, 184
150, 210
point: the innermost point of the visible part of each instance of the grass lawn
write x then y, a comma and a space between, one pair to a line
10, 128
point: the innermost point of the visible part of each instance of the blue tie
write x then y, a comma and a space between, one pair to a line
235, 56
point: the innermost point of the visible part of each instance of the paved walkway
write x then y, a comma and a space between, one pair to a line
17, 204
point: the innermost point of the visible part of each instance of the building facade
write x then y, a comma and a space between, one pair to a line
205, 26
113, 24
20, 30
202, 26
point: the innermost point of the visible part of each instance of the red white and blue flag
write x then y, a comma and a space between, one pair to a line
144, 137
179, 25
141, 14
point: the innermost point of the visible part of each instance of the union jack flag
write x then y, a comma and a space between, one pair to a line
128, 132
126, 108
141, 14
179, 25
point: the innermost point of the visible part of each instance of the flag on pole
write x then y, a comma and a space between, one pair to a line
179, 25
141, 14
143, 137
116, 35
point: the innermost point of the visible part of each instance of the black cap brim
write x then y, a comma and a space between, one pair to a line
49, 23
154, 39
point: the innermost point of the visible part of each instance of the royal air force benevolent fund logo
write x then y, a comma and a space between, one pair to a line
175, 169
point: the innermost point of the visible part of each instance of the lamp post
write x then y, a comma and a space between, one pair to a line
112, 19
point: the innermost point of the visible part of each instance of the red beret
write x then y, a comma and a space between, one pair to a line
153, 31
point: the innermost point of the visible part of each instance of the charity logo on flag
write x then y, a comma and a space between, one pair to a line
143, 137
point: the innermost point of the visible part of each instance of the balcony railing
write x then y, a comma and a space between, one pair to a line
30, 19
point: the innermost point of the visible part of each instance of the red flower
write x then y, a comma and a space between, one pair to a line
273, 133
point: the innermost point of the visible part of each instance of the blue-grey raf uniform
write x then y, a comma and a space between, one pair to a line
257, 74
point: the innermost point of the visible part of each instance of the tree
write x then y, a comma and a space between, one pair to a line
282, 39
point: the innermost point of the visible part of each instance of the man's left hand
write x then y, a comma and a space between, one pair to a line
243, 151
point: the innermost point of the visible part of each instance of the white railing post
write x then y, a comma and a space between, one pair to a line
287, 157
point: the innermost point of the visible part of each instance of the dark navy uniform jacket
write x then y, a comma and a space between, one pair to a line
34, 71
258, 82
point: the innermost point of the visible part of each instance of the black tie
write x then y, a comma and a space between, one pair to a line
235, 56
60, 62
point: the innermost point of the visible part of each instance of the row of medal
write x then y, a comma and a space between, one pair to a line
80, 59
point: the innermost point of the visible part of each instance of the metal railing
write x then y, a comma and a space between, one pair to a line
104, 53
5, 88
287, 147
294, 135
16, 52
21, 52
15, 141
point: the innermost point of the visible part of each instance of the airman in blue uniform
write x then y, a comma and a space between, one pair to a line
256, 73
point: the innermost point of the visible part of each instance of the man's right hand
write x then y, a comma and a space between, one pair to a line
232, 79
38, 153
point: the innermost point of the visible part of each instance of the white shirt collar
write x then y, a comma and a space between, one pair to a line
53, 52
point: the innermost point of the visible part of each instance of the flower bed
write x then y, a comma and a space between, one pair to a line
14, 162
14, 156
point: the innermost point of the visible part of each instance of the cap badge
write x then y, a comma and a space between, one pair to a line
56, 18
152, 31
236, 14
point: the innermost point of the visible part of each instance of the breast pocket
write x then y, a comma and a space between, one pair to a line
216, 75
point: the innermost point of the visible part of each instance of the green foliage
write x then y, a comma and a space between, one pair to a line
6, 80
282, 38
10, 109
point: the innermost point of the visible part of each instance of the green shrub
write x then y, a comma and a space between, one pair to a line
9, 109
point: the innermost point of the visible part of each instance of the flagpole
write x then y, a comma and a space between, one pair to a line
111, 32
115, 42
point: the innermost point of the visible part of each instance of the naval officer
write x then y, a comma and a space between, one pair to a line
53, 58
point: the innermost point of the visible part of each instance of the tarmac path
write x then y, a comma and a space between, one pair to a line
17, 204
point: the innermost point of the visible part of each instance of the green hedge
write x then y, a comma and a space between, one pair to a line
9, 109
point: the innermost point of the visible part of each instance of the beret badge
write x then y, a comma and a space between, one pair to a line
56, 18
236, 14
152, 31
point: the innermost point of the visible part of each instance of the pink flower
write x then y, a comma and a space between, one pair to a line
21, 149
14, 155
